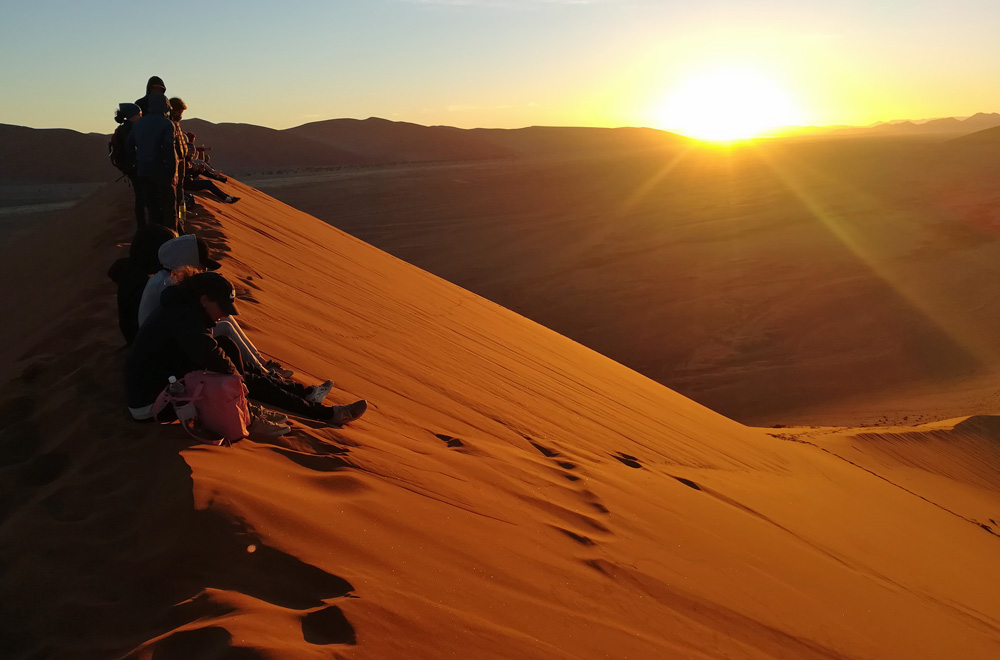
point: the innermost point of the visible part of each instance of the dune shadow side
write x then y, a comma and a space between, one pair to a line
101, 546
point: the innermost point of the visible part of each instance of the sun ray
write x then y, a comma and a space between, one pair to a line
864, 249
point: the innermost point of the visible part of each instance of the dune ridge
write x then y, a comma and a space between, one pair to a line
510, 493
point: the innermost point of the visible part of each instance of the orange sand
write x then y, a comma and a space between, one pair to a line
509, 494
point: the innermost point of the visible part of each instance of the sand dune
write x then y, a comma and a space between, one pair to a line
41, 156
510, 494
791, 282
384, 141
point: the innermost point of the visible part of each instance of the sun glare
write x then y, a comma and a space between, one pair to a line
725, 105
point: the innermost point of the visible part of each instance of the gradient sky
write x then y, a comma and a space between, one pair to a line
490, 63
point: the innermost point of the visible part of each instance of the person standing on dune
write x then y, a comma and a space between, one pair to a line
152, 139
153, 86
177, 108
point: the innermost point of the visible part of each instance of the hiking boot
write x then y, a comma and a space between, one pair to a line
260, 427
275, 368
319, 392
341, 415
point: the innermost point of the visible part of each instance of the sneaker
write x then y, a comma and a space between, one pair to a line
319, 392
271, 416
275, 368
260, 427
343, 414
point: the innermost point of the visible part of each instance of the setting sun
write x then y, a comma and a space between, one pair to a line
727, 104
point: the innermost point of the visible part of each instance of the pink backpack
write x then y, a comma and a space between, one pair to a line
221, 404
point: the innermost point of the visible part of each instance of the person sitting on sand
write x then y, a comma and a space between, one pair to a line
177, 339
195, 168
131, 274
190, 252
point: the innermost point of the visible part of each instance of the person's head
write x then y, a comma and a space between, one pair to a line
128, 112
157, 104
177, 108
155, 84
215, 294
186, 251
146, 245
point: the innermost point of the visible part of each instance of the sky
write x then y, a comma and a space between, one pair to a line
502, 63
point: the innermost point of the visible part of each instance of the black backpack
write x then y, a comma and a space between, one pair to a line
118, 151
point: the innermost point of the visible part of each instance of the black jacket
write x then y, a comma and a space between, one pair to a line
131, 275
152, 138
174, 340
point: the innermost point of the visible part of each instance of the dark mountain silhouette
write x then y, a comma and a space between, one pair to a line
387, 141
53, 155
41, 156
989, 136
542, 140
947, 126
242, 148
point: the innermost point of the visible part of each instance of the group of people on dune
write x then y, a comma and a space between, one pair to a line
161, 161
178, 315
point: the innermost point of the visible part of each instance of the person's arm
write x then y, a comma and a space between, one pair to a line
198, 344
167, 151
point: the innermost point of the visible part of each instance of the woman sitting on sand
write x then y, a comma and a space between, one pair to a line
177, 339
131, 274
190, 252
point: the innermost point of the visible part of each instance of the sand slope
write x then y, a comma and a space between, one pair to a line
777, 283
510, 494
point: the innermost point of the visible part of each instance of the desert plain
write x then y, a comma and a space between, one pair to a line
675, 402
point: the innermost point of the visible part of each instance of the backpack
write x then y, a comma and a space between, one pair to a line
118, 150
221, 413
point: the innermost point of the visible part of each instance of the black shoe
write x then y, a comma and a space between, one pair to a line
341, 415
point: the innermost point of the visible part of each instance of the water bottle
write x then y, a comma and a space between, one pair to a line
185, 411
175, 387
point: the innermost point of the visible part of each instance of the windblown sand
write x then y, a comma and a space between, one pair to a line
509, 494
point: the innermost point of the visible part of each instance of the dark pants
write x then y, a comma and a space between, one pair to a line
274, 390
131, 284
160, 197
198, 185
140, 202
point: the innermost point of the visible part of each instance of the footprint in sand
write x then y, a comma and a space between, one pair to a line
328, 626
449, 440
628, 460
579, 538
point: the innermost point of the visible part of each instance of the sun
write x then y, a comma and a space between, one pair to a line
727, 104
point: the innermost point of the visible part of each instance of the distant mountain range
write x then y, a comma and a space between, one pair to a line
947, 127
47, 156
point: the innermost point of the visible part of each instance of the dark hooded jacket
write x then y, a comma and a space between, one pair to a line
144, 101
152, 138
131, 274
174, 340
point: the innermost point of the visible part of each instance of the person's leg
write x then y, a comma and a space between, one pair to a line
148, 189
202, 185
228, 328
232, 351
277, 392
231, 320
140, 202
165, 203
